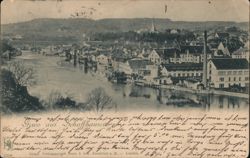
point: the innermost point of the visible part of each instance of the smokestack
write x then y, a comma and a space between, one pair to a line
204, 76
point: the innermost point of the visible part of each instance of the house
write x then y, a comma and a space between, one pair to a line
134, 66
226, 72
192, 83
102, 59
163, 80
182, 71
222, 35
242, 53
169, 55
189, 54
151, 72
154, 57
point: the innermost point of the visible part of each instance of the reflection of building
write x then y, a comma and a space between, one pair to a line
224, 73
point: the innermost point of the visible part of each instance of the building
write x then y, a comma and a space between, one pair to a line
227, 72
102, 59
242, 53
154, 57
134, 66
182, 71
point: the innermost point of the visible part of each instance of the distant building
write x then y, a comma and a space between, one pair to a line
189, 54
154, 57
224, 73
134, 66
222, 35
242, 53
102, 59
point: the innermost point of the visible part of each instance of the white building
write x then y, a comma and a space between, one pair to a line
224, 73
154, 57
242, 53
182, 71
102, 59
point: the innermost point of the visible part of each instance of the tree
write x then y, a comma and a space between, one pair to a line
23, 74
15, 97
98, 99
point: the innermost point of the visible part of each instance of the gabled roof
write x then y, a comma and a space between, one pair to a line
184, 67
239, 51
229, 63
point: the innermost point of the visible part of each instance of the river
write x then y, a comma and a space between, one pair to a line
52, 75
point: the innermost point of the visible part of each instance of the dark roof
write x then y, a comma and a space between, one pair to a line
184, 67
168, 52
139, 63
227, 63
197, 49
223, 34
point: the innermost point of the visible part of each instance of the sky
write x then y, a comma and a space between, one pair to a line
13, 11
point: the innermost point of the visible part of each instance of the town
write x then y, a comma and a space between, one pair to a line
198, 61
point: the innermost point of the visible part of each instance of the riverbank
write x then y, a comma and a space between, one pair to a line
195, 91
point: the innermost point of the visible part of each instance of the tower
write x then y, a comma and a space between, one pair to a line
153, 29
204, 76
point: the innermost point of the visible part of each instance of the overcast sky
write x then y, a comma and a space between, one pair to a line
179, 10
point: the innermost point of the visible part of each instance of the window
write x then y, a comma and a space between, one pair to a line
221, 85
179, 74
239, 78
221, 79
234, 78
235, 72
192, 74
229, 79
240, 72
229, 72
246, 78
197, 74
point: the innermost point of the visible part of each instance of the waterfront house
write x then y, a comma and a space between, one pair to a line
227, 72
134, 66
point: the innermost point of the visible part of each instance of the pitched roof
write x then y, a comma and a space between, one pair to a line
239, 51
223, 34
229, 63
184, 67
197, 49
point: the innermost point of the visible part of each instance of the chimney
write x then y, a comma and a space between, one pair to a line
204, 76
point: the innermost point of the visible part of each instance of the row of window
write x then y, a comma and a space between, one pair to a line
233, 79
233, 72
186, 74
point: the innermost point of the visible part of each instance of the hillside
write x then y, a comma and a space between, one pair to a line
72, 29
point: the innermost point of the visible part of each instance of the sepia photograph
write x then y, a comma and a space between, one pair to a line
124, 78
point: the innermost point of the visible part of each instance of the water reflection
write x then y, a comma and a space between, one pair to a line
180, 99
54, 73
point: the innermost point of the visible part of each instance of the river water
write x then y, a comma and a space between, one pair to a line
53, 74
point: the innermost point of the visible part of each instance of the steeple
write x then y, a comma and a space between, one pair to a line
153, 29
